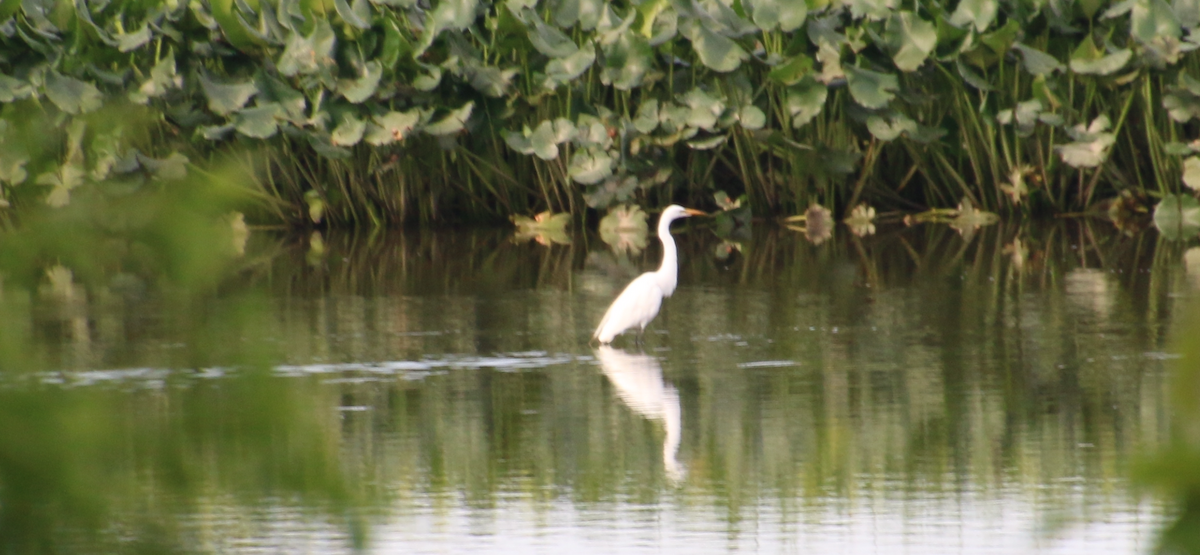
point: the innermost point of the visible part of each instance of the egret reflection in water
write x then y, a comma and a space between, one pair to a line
639, 382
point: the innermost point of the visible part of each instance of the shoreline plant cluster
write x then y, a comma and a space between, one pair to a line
378, 112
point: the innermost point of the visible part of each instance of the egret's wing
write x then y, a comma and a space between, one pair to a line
635, 306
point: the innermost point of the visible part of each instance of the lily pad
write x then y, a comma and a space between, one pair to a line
564, 70
1191, 173
977, 13
1091, 144
308, 55
703, 109
132, 41
871, 89
548, 40
792, 70
1177, 216
646, 120
889, 128
626, 61
392, 127
1183, 100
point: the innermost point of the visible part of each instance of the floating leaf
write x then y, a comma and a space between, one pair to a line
258, 122
224, 99
590, 166
358, 90
349, 132
453, 122
715, 51
910, 39
871, 89
1177, 216
805, 100
72, 95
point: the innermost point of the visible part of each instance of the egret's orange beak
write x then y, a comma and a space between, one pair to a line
694, 212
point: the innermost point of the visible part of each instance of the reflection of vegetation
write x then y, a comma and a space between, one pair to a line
93, 459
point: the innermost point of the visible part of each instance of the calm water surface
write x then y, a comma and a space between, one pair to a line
917, 391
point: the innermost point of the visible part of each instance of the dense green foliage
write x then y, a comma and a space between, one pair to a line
383, 111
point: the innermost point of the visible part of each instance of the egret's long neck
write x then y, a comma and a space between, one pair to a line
669, 267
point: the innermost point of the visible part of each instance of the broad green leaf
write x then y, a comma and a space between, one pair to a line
453, 122
977, 13
170, 168
1089, 60
271, 89
563, 70
518, 141
392, 127
626, 61
216, 132
1153, 20
646, 120
224, 99
751, 117
783, 14
871, 10
1177, 216
971, 77
1025, 115
550, 41
590, 166
349, 132
134, 40
1037, 62
715, 51
308, 55
447, 15
1183, 100
12, 163
358, 90
543, 141
791, 71
910, 39
489, 80
887, 129
665, 27
63, 180
708, 143
259, 122
323, 145
1191, 173
703, 109
162, 78
1091, 144
720, 17
871, 89
428, 81
564, 130
72, 95
357, 14
805, 100
12, 89
395, 45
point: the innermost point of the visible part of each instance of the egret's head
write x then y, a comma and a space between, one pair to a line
674, 212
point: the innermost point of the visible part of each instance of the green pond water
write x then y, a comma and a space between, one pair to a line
920, 390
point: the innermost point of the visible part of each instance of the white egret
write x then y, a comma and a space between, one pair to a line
640, 385
638, 304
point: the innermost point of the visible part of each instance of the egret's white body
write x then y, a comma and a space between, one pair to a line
639, 383
638, 304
